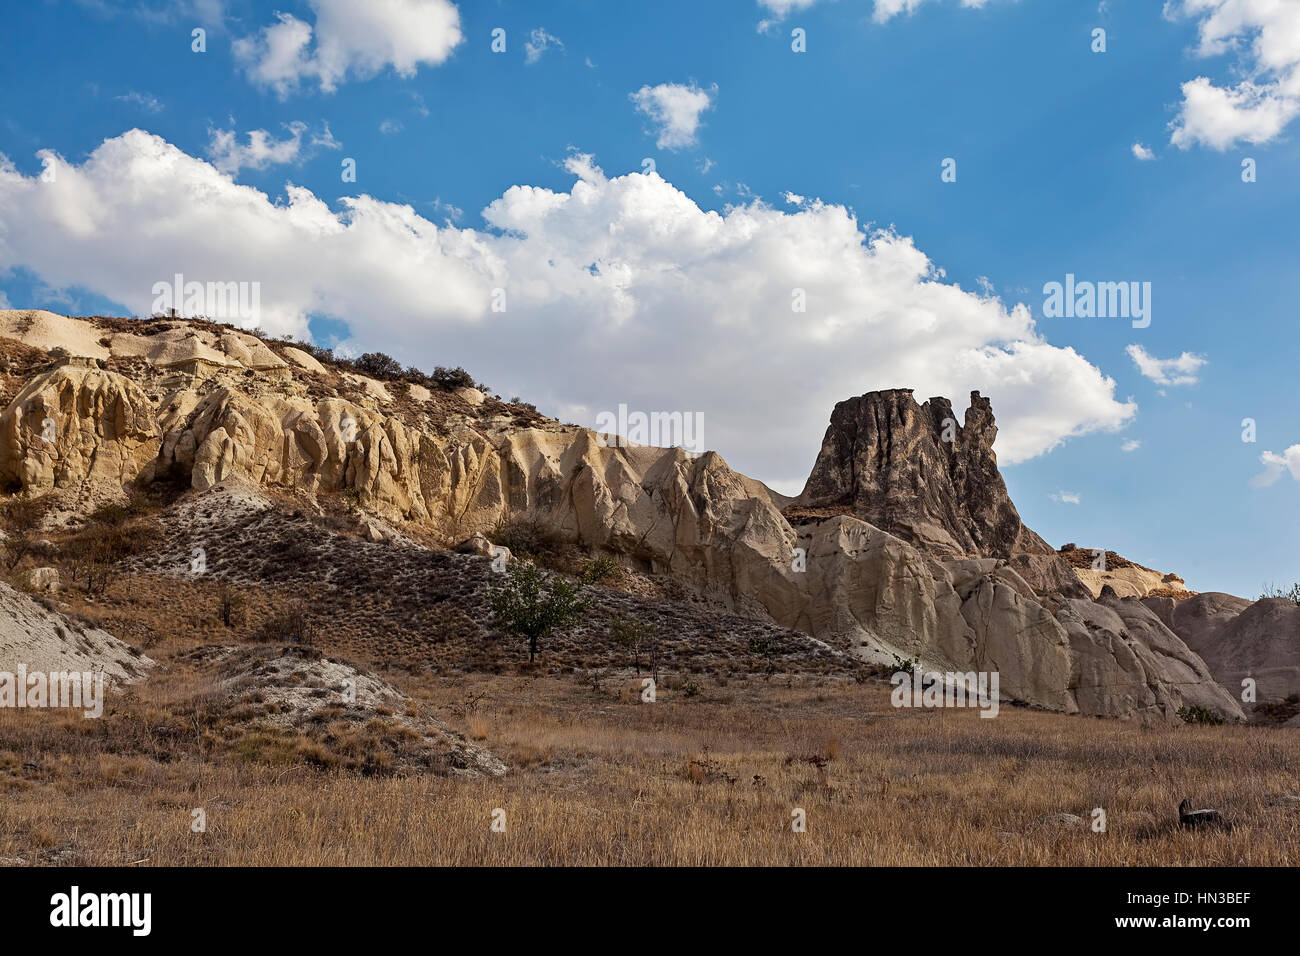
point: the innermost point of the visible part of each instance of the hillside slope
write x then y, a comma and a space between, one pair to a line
952, 579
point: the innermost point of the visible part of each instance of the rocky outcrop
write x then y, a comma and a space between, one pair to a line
301, 690
1128, 661
1240, 639
75, 424
1098, 569
904, 543
917, 472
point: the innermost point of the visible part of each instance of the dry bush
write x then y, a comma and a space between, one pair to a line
292, 624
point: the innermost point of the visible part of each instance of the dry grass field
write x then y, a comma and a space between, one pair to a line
709, 774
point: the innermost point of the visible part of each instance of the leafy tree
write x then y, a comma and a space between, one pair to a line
635, 637
22, 522
533, 605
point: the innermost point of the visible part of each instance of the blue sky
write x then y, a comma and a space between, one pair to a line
672, 291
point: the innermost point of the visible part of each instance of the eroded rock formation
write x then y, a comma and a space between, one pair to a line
904, 544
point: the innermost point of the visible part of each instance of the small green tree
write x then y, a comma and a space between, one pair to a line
634, 637
765, 647
533, 605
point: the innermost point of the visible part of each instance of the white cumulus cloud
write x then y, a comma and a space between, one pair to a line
349, 39
539, 41
261, 150
882, 10
675, 110
1275, 464
1065, 497
1182, 370
1264, 35
619, 290
1142, 153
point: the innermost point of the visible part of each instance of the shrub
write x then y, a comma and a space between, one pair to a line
600, 569
765, 647
1292, 595
450, 379
1196, 714
635, 637
527, 537
230, 606
22, 522
378, 365
112, 535
292, 625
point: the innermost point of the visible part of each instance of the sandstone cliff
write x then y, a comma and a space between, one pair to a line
917, 472
1240, 639
904, 544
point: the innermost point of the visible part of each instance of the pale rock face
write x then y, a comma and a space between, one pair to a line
1131, 581
476, 544
304, 361
76, 423
1240, 639
953, 578
43, 579
1128, 661
44, 640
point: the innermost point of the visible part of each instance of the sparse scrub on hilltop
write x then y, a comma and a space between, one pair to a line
451, 378
378, 365
1293, 595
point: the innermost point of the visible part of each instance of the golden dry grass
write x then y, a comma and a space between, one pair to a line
598, 778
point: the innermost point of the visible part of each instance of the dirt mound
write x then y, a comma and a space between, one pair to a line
289, 700
41, 639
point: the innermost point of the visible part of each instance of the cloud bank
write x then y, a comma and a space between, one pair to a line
620, 290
